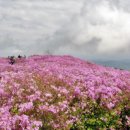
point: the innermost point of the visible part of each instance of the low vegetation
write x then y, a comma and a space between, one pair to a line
62, 93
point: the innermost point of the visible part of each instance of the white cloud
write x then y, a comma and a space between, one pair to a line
77, 27
114, 31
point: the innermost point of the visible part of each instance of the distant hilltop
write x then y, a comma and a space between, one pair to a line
120, 64
57, 59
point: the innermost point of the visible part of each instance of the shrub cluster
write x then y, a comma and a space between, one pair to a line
63, 93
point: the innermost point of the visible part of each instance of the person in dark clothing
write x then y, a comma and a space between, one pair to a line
19, 56
11, 60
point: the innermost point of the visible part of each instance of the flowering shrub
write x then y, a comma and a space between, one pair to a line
63, 93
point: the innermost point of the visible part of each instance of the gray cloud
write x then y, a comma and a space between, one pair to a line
91, 29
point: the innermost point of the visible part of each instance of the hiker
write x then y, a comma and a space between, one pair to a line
12, 60
19, 56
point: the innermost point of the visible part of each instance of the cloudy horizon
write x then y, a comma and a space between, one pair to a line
82, 28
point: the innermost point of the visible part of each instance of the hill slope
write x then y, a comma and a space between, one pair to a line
54, 92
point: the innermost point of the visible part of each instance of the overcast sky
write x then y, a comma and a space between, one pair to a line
90, 29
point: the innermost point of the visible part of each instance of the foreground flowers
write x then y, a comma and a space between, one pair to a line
62, 93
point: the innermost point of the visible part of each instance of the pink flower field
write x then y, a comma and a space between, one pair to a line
63, 93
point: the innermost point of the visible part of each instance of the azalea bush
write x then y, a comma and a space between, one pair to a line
63, 93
